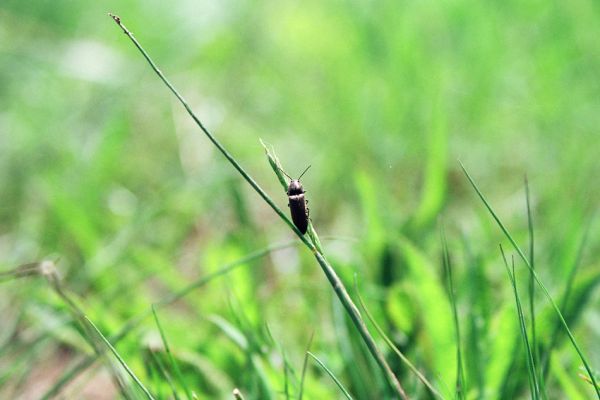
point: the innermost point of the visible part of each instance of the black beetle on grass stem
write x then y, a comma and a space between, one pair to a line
297, 202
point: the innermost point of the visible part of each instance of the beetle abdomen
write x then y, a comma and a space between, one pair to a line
298, 210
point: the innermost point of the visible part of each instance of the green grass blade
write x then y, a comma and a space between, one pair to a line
460, 380
172, 361
163, 371
531, 289
432, 390
566, 297
537, 279
128, 327
120, 359
305, 365
531, 369
331, 375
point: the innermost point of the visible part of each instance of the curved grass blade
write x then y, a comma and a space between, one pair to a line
118, 357
331, 375
537, 279
460, 379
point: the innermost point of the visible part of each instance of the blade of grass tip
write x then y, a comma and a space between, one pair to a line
533, 384
237, 395
275, 164
331, 375
536, 277
328, 270
432, 390
128, 327
305, 365
460, 382
567, 294
205, 130
120, 359
172, 361
534, 344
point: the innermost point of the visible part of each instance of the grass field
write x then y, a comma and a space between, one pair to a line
137, 262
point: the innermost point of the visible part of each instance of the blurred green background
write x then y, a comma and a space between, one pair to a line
102, 171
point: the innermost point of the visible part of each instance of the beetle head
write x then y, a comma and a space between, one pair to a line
295, 188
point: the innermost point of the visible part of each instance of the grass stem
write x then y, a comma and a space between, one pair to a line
331, 275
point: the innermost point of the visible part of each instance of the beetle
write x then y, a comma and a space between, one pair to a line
297, 202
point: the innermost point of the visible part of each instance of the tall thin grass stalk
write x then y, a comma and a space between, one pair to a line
305, 365
460, 375
531, 368
331, 275
531, 287
120, 359
586, 364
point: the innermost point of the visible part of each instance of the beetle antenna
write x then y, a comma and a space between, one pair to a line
304, 172
290, 178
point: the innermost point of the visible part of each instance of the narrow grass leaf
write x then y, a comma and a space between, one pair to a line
531, 288
531, 370
120, 359
537, 279
172, 361
305, 365
460, 380
165, 374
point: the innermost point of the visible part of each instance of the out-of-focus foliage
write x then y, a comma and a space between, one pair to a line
101, 170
